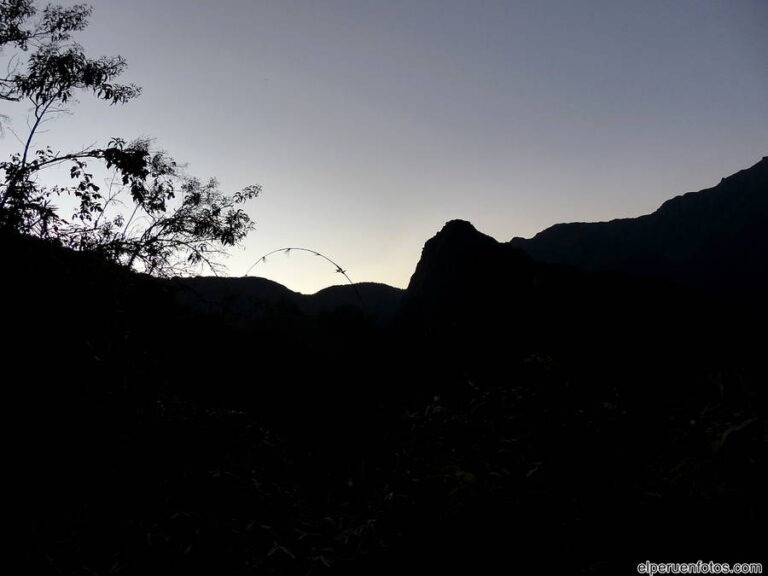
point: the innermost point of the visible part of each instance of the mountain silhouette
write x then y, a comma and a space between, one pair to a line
715, 239
252, 298
489, 303
513, 409
482, 315
466, 276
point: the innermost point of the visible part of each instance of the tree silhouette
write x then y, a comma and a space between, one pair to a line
171, 222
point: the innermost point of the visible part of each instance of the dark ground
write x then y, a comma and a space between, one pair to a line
531, 416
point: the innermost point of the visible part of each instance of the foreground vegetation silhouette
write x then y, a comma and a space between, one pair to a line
511, 412
151, 216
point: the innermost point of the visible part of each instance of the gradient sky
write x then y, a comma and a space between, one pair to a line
371, 123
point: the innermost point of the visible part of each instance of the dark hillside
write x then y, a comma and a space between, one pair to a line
251, 298
715, 239
515, 411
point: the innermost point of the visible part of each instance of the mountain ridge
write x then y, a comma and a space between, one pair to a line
714, 238
252, 297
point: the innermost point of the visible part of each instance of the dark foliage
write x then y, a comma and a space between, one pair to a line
151, 216
516, 412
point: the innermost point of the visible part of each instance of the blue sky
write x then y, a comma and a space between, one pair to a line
370, 124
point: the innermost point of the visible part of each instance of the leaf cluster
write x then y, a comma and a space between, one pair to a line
49, 66
171, 222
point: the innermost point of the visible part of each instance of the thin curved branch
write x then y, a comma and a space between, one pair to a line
339, 269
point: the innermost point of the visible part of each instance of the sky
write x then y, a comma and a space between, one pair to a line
369, 124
